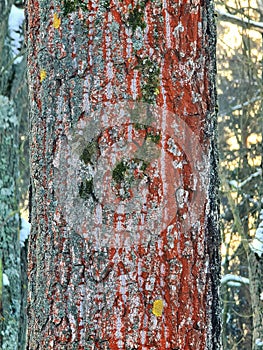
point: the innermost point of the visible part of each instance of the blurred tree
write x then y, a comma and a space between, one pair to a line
240, 125
12, 110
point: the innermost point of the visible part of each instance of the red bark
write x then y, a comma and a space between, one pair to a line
89, 288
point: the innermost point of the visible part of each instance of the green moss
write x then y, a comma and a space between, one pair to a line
69, 6
136, 19
105, 4
151, 79
154, 137
142, 164
150, 134
118, 173
136, 16
152, 82
73, 5
138, 126
86, 189
90, 153
127, 174
123, 171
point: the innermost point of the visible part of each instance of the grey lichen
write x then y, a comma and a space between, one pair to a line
7, 113
9, 243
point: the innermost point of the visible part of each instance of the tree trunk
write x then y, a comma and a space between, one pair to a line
255, 265
123, 252
10, 291
256, 287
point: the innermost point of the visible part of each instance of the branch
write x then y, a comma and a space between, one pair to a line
234, 278
257, 173
9, 64
234, 209
257, 244
240, 106
243, 22
237, 185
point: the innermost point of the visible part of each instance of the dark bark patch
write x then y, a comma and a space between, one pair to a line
86, 189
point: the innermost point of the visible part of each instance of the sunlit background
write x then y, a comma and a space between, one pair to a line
239, 62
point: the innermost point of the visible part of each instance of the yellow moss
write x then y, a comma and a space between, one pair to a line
43, 75
157, 309
56, 21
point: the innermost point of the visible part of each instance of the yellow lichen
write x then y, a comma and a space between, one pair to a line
43, 75
56, 21
156, 91
157, 309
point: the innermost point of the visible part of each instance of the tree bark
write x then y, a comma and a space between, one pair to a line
256, 287
242, 22
10, 291
123, 252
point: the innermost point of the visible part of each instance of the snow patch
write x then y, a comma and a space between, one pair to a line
259, 342
234, 280
15, 24
24, 231
234, 183
6, 282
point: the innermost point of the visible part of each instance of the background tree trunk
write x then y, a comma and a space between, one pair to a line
13, 108
10, 296
10, 293
240, 116
256, 287
101, 277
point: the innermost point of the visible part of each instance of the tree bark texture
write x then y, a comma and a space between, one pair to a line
93, 68
255, 271
5, 54
5, 7
10, 293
